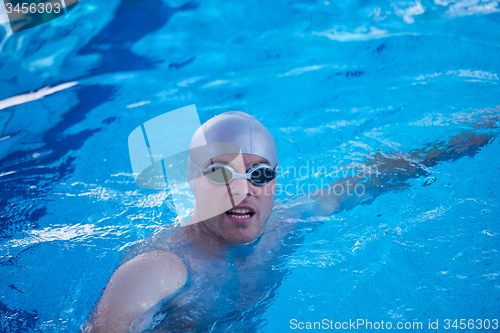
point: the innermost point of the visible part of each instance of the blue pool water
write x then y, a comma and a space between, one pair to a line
334, 81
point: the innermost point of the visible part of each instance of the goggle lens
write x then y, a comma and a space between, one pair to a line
262, 175
218, 174
223, 174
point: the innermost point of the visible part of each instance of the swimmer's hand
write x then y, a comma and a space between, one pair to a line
136, 287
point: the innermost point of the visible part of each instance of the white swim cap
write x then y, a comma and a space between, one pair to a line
230, 132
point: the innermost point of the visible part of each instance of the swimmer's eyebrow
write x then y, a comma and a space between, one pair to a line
260, 162
217, 160
224, 161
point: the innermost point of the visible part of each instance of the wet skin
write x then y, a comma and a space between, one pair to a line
224, 279
196, 261
226, 256
225, 228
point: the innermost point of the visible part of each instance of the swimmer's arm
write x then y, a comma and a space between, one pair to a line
136, 287
391, 172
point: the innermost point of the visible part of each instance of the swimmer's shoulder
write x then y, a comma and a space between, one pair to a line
139, 285
159, 264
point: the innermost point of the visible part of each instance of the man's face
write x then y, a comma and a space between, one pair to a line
253, 204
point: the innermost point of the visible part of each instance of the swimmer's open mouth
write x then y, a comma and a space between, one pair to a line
240, 213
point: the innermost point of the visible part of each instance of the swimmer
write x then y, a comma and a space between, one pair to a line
205, 275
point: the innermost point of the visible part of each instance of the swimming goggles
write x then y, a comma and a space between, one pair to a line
222, 174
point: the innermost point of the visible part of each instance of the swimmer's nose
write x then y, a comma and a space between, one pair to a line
240, 188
